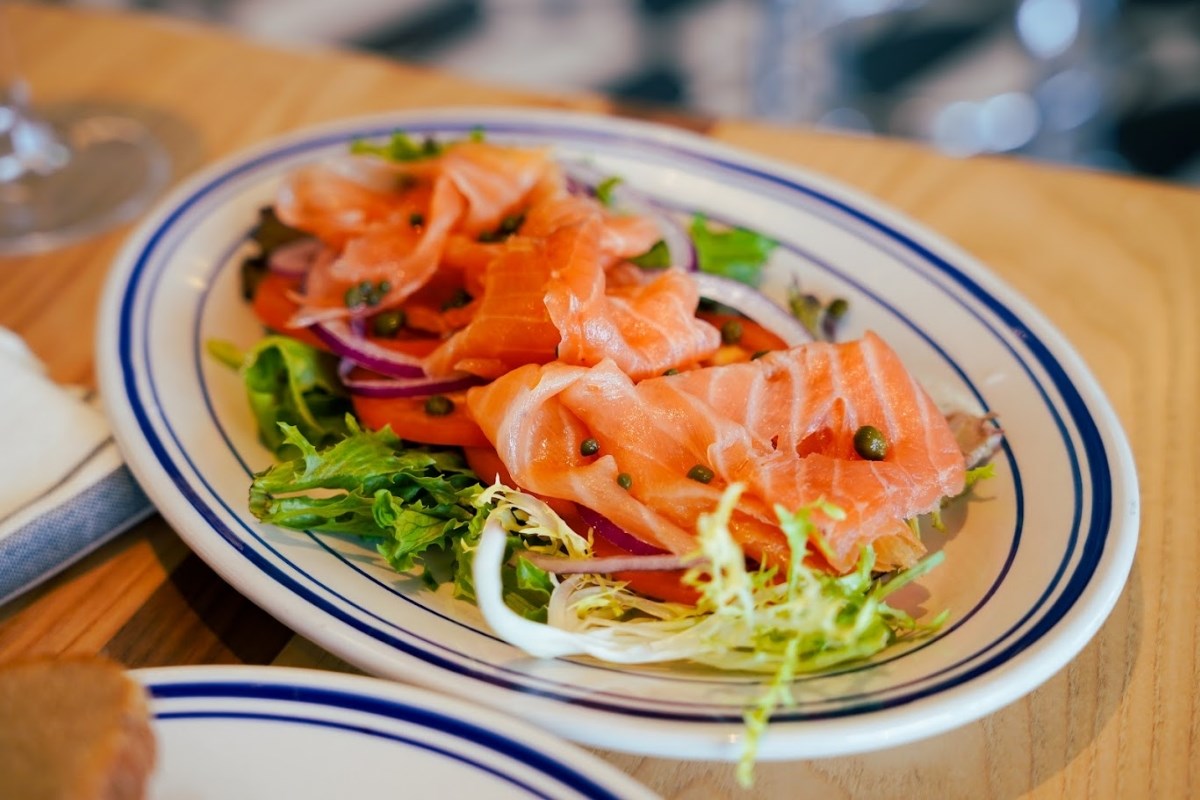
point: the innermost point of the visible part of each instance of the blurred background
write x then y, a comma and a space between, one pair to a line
1101, 83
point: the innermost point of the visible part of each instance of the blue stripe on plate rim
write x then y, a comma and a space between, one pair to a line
391, 709
1089, 434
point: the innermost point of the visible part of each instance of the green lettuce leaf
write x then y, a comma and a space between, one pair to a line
736, 253
370, 484
604, 189
657, 257
289, 382
746, 619
400, 147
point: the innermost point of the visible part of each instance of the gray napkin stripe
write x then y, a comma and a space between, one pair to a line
66, 533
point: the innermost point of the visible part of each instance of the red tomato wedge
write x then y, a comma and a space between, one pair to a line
274, 306
408, 420
658, 584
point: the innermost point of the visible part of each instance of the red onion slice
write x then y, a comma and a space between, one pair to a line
342, 341
294, 259
755, 305
610, 564
407, 387
614, 533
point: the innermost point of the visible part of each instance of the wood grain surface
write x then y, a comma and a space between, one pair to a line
1114, 262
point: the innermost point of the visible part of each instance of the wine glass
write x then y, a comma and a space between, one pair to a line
67, 173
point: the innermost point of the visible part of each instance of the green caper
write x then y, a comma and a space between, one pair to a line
388, 323
460, 298
624, 480
731, 332
589, 447
416, 219
508, 226
356, 296
870, 443
439, 405
671, 371
375, 294
700, 473
837, 308
511, 223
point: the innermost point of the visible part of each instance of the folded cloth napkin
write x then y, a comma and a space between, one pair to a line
64, 489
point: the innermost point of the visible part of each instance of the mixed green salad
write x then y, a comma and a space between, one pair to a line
428, 514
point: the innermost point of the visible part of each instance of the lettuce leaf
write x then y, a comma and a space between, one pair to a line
400, 147
371, 485
657, 257
289, 382
736, 253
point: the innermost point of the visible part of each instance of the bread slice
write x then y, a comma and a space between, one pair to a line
76, 729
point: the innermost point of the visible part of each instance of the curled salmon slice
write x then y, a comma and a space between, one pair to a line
510, 326
807, 403
645, 329
392, 252
496, 181
331, 206
621, 236
525, 417
782, 425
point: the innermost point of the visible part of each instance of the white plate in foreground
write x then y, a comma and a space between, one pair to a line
255, 732
1033, 564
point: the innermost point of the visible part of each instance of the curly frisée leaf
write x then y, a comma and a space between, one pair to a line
745, 620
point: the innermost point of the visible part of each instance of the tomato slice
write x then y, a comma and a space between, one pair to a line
485, 462
755, 338
274, 307
409, 421
659, 584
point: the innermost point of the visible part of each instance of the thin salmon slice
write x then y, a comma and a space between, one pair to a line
331, 206
622, 236
645, 329
511, 326
392, 251
497, 181
783, 425
538, 438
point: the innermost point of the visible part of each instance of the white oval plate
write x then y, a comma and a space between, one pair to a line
1032, 567
254, 732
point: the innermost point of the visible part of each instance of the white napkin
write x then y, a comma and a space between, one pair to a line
63, 487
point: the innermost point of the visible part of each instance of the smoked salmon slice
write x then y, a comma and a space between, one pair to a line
542, 273
392, 253
511, 326
783, 425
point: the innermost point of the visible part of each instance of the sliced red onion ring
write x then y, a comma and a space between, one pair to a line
340, 339
754, 305
678, 241
407, 387
614, 533
294, 259
610, 564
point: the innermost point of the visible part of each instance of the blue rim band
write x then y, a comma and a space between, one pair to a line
388, 709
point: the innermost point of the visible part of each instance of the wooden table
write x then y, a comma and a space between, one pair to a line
1114, 262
